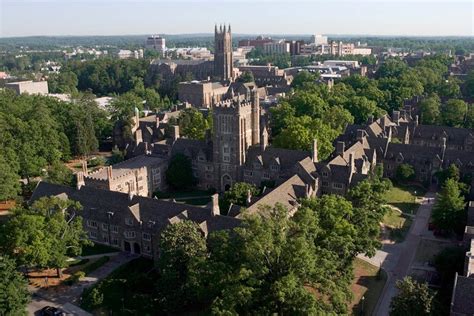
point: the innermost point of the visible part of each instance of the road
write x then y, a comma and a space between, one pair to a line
396, 259
69, 295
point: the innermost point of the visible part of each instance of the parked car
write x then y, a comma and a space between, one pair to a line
51, 311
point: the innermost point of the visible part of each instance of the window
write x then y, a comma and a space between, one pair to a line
140, 188
115, 241
93, 235
325, 174
266, 175
92, 224
129, 234
114, 229
248, 173
201, 158
209, 168
146, 236
105, 227
140, 178
337, 185
275, 168
105, 239
129, 221
226, 158
325, 183
147, 248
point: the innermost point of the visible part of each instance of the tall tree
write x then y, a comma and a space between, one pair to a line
413, 299
10, 184
454, 112
183, 247
430, 109
14, 293
192, 124
448, 212
179, 174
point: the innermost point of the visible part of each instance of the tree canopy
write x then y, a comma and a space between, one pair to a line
179, 174
14, 293
413, 299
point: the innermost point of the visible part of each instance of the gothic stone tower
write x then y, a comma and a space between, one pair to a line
223, 53
236, 128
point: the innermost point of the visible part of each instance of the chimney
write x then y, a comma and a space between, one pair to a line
352, 163
340, 147
84, 167
215, 205
109, 173
416, 120
370, 120
138, 137
174, 132
307, 190
130, 190
314, 151
157, 121
80, 180
361, 135
396, 117
249, 197
264, 140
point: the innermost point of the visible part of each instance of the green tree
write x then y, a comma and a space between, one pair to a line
58, 173
470, 117
454, 112
448, 212
192, 124
46, 234
179, 174
468, 88
183, 248
362, 108
430, 110
413, 299
64, 82
14, 295
245, 77
10, 185
304, 79
405, 172
239, 192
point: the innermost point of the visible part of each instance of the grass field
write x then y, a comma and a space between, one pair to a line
404, 197
368, 283
397, 224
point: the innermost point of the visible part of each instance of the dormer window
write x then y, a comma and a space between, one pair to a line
275, 167
325, 174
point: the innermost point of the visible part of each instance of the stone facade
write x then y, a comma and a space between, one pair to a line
223, 67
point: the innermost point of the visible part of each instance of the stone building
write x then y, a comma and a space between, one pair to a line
201, 93
133, 223
30, 87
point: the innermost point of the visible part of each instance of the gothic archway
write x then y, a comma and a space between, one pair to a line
126, 246
136, 248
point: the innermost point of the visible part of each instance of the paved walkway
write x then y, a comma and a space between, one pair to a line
396, 258
59, 296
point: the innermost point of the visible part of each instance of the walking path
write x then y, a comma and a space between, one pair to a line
63, 295
396, 259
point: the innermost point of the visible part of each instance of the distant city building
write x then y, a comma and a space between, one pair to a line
257, 43
156, 43
319, 39
30, 87
277, 47
128, 54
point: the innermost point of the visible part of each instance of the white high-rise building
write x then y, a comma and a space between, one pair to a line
319, 39
157, 43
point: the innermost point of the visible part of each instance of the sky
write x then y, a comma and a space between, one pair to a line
344, 17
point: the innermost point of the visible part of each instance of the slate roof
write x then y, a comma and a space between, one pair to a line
463, 295
192, 148
286, 194
98, 203
286, 157
454, 135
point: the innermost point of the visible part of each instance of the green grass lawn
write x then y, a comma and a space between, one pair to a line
397, 225
97, 249
404, 197
126, 291
368, 283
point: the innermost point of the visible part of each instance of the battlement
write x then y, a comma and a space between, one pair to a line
222, 30
233, 104
123, 169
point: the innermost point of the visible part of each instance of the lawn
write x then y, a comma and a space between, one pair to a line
126, 291
404, 197
368, 283
97, 249
397, 224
